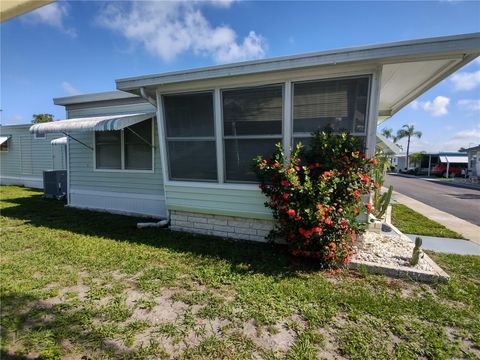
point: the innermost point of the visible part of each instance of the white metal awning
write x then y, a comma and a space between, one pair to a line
3, 139
97, 123
59, 141
454, 159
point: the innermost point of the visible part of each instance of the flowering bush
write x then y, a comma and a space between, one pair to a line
315, 195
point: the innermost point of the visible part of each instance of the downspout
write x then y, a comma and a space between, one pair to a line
162, 223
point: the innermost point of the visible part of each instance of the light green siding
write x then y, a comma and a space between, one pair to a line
83, 176
26, 157
243, 203
82, 173
109, 110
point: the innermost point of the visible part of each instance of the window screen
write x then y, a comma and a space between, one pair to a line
190, 133
108, 149
138, 149
252, 124
340, 104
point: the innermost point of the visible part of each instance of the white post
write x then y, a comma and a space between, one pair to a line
429, 164
217, 106
162, 147
373, 112
287, 118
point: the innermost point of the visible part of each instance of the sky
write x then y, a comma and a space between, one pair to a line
75, 47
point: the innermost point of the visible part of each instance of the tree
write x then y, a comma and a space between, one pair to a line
408, 131
388, 133
417, 157
42, 118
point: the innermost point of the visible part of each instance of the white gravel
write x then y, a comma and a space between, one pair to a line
389, 250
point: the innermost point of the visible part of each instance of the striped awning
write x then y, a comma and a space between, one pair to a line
454, 159
59, 141
3, 139
97, 123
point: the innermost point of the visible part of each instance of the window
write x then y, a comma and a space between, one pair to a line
127, 149
252, 125
40, 136
138, 146
340, 104
190, 135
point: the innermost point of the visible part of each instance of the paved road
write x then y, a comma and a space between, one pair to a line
460, 202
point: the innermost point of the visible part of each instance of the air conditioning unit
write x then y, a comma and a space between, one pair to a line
55, 184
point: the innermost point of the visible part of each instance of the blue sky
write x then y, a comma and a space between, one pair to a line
79, 47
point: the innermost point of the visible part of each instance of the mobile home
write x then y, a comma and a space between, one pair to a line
180, 145
24, 156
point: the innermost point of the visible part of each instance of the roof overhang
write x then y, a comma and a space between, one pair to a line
409, 68
12, 8
387, 146
97, 123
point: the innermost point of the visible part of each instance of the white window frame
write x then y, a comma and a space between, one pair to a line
122, 153
188, 138
371, 117
363, 134
224, 137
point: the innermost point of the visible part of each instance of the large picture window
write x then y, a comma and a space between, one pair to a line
190, 135
127, 149
340, 104
252, 125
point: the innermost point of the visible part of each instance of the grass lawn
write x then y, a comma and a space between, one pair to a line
409, 221
77, 283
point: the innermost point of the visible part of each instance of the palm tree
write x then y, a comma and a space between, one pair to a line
388, 133
408, 131
417, 158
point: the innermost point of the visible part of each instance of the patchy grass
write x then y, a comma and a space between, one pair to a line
82, 284
409, 221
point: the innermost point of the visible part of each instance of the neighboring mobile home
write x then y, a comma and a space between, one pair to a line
180, 145
24, 156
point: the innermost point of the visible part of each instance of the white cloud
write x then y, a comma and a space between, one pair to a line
466, 80
69, 88
469, 105
168, 29
53, 15
437, 107
464, 138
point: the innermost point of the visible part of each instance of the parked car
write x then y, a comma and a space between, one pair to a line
441, 170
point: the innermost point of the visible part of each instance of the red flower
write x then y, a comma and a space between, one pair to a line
375, 162
369, 206
343, 223
285, 183
285, 196
291, 212
376, 186
328, 221
356, 194
327, 174
317, 230
297, 168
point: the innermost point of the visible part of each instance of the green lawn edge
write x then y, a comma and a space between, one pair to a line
409, 221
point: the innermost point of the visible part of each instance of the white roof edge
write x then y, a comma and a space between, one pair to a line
456, 44
100, 96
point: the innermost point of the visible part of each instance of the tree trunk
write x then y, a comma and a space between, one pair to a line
408, 152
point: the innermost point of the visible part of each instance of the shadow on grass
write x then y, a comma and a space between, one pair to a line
47, 331
267, 258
